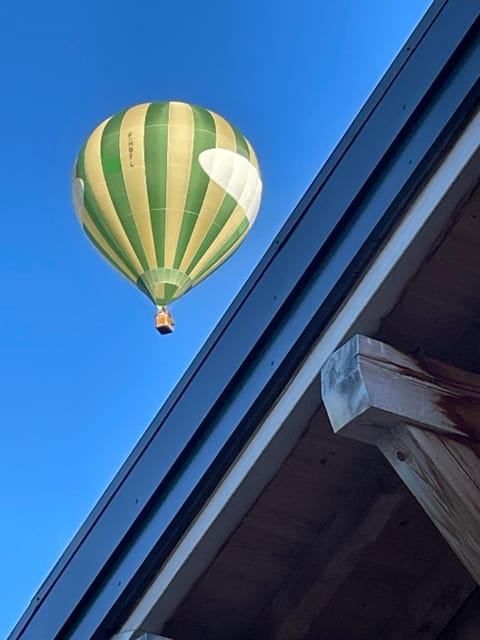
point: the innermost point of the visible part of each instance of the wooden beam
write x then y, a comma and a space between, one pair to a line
433, 603
444, 476
330, 559
425, 418
339, 565
368, 386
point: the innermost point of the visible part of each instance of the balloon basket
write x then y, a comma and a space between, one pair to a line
164, 323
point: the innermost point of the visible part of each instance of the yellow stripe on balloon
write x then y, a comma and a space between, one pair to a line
226, 255
179, 162
253, 155
157, 290
235, 220
112, 256
132, 156
96, 179
224, 133
210, 207
214, 196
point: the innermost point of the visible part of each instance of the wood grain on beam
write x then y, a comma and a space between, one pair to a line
433, 603
368, 386
444, 476
425, 418
314, 581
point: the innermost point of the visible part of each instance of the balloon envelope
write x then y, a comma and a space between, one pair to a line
166, 191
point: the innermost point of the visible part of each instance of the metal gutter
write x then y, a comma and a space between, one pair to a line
334, 232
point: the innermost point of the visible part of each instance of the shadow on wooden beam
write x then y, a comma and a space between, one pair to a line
425, 418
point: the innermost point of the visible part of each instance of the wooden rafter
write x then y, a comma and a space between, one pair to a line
368, 387
316, 578
433, 603
425, 418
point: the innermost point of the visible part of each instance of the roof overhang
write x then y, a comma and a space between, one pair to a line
371, 299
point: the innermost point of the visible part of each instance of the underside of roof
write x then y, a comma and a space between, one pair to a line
336, 546
222, 404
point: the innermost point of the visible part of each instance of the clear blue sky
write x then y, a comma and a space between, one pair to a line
82, 370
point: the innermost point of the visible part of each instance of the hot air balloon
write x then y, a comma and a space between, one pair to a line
166, 191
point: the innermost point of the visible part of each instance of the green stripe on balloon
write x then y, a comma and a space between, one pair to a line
223, 214
242, 146
116, 264
204, 137
234, 238
170, 291
95, 213
226, 209
156, 155
144, 289
112, 169
173, 278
